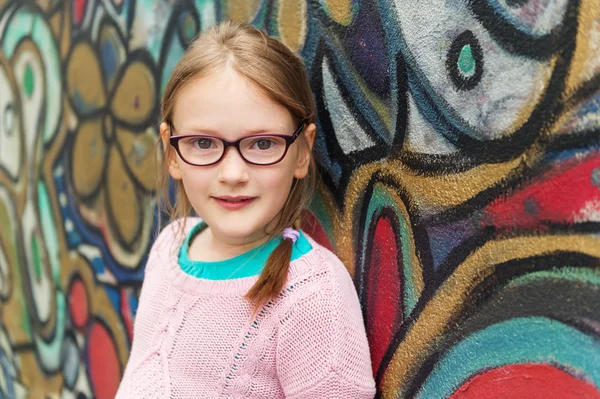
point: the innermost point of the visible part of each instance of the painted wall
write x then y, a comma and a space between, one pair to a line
459, 143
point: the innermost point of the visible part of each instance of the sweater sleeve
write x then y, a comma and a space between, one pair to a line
322, 349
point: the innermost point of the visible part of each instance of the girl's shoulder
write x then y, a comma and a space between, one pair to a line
169, 239
320, 270
176, 230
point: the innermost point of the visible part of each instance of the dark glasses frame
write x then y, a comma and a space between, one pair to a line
289, 140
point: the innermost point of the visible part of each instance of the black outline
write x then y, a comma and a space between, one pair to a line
460, 82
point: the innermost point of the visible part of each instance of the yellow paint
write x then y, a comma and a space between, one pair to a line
37, 383
139, 152
55, 23
84, 78
122, 199
65, 40
88, 157
135, 98
587, 46
292, 23
242, 10
341, 11
449, 190
442, 311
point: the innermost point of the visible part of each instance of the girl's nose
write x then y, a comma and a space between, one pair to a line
232, 169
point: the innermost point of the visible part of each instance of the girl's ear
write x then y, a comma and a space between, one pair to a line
169, 154
304, 159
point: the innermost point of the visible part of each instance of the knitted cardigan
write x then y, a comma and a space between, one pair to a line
196, 338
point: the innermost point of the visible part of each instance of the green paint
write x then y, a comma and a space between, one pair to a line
25, 323
582, 275
208, 13
189, 28
466, 61
37, 262
379, 200
49, 352
28, 24
516, 341
49, 231
29, 80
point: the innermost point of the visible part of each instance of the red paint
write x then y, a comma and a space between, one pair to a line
126, 312
233, 205
78, 11
557, 197
531, 381
103, 362
78, 304
383, 290
312, 227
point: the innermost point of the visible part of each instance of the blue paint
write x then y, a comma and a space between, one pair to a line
80, 104
71, 363
98, 265
346, 78
443, 239
114, 296
590, 107
517, 341
108, 59
133, 304
87, 234
73, 237
365, 44
9, 376
430, 111
570, 154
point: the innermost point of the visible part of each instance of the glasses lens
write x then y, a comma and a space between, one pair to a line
263, 149
200, 150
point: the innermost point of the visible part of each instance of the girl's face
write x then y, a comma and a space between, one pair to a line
228, 106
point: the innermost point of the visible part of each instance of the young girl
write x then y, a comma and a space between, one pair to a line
240, 304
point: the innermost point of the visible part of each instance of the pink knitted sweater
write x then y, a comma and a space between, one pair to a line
195, 338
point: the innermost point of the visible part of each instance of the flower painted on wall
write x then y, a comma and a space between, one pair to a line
113, 93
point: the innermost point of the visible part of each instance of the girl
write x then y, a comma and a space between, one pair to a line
239, 304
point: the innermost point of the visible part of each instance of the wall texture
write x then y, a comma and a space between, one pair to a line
459, 144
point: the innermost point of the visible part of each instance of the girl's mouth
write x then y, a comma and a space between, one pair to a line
234, 203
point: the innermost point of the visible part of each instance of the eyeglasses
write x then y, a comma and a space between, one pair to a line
258, 149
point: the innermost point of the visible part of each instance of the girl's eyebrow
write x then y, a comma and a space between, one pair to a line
216, 133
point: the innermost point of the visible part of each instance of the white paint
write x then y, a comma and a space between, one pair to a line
421, 136
350, 135
509, 84
10, 129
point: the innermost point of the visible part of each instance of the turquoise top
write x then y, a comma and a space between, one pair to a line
247, 264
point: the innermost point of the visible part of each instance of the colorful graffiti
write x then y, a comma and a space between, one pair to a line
459, 144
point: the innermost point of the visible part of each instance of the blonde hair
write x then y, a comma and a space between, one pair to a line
280, 74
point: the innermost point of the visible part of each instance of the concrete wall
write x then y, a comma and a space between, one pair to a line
459, 143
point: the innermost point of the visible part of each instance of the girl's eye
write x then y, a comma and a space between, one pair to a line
263, 144
203, 144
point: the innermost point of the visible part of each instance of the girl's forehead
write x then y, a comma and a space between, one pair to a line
228, 102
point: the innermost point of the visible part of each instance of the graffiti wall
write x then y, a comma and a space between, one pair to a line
459, 144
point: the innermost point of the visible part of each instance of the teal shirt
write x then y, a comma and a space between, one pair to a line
247, 264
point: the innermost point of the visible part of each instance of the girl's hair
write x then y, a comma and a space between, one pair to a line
280, 74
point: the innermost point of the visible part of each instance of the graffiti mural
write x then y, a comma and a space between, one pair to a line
459, 145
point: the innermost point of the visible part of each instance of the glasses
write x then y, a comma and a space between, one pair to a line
258, 149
